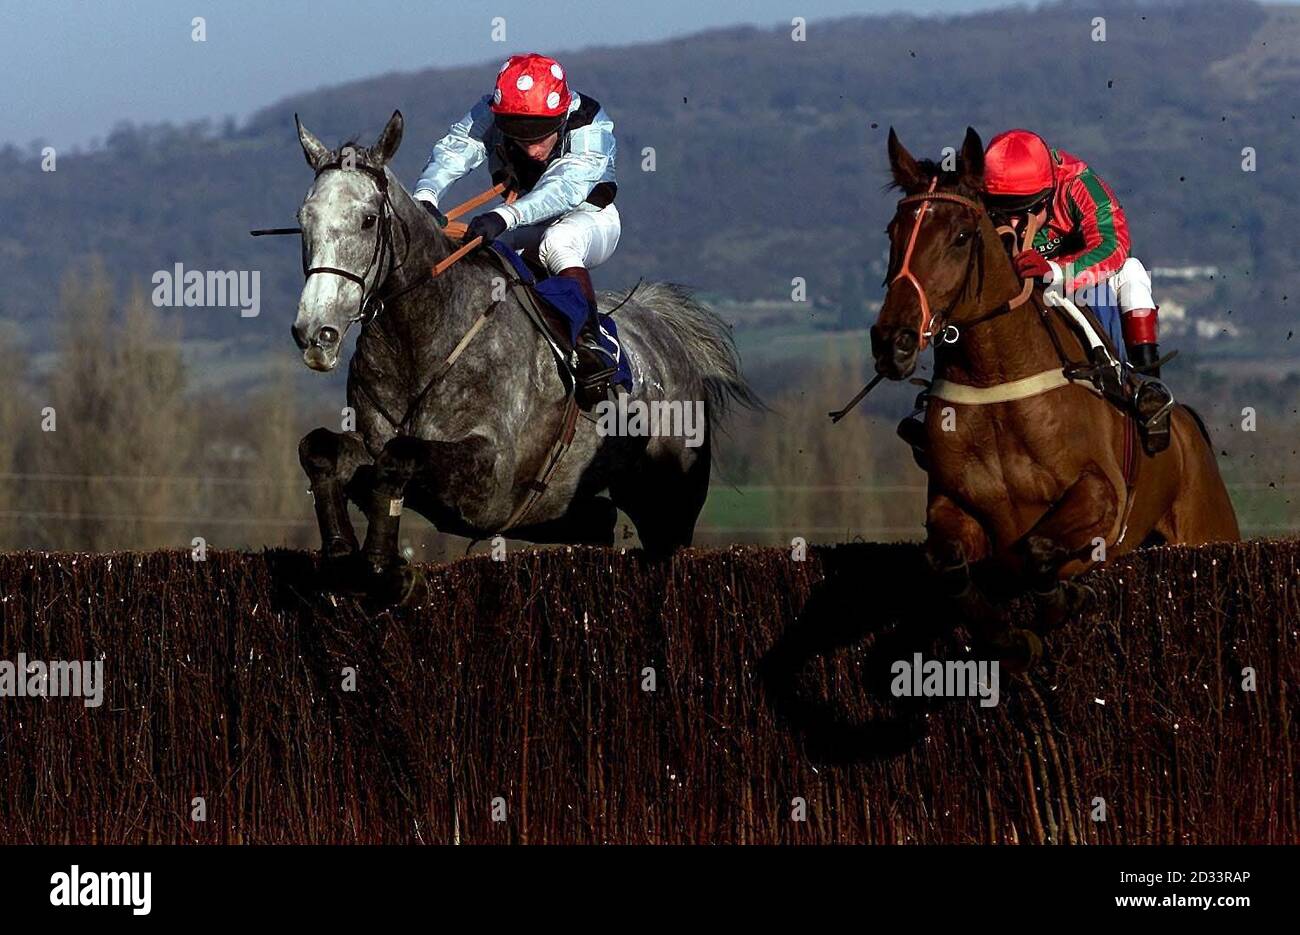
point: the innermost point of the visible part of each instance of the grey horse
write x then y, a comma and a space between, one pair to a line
461, 443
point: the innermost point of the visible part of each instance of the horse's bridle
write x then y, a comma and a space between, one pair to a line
931, 323
929, 320
371, 302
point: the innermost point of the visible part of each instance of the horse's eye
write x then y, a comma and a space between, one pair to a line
368, 222
963, 238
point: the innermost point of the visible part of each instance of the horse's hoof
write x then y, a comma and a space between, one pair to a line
395, 584
343, 573
1057, 608
1079, 598
1020, 650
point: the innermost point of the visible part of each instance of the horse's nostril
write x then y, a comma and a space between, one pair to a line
299, 337
327, 336
905, 342
880, 343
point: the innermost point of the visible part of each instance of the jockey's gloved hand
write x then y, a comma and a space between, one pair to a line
438, 217
1030, 264
489, 226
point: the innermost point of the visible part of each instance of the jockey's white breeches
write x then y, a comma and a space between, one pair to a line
585, 236
1132, 286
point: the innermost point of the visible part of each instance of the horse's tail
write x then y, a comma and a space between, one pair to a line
709, 345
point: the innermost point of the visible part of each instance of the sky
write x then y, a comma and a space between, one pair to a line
72, 69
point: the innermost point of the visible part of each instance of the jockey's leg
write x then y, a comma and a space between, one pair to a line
1138, 310
1153, 401
578, 241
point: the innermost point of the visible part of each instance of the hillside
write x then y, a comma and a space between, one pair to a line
525, 681
770, 155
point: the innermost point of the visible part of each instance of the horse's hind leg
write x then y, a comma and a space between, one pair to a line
330, 459
664, 497
589, 521
1201, 510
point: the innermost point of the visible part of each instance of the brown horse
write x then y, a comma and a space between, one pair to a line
1033, 477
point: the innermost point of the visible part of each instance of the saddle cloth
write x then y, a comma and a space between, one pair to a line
564, 299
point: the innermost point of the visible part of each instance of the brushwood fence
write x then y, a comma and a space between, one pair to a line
516, 690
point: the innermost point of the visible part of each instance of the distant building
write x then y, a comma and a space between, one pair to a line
1185, 273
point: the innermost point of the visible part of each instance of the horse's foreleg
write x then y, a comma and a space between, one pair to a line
402, 458
450, 470
1068, 532
330, 459
955, 541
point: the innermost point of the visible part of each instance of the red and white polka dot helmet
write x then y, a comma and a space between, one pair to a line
532, 95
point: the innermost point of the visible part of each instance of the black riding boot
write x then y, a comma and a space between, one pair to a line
596, 366
1152, 401
1145, 358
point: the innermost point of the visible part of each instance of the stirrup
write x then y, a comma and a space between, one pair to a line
594, 374
1165, 408
1154, 427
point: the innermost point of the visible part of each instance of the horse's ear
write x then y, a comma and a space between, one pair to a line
317, 153
391, 138
972, 159
907, 173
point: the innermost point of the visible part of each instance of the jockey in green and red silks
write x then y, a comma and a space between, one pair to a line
1083, 244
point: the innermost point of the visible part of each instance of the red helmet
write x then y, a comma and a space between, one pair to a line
531, 98
1018, 164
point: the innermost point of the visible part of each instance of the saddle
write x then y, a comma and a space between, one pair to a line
548, 320
559, 310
